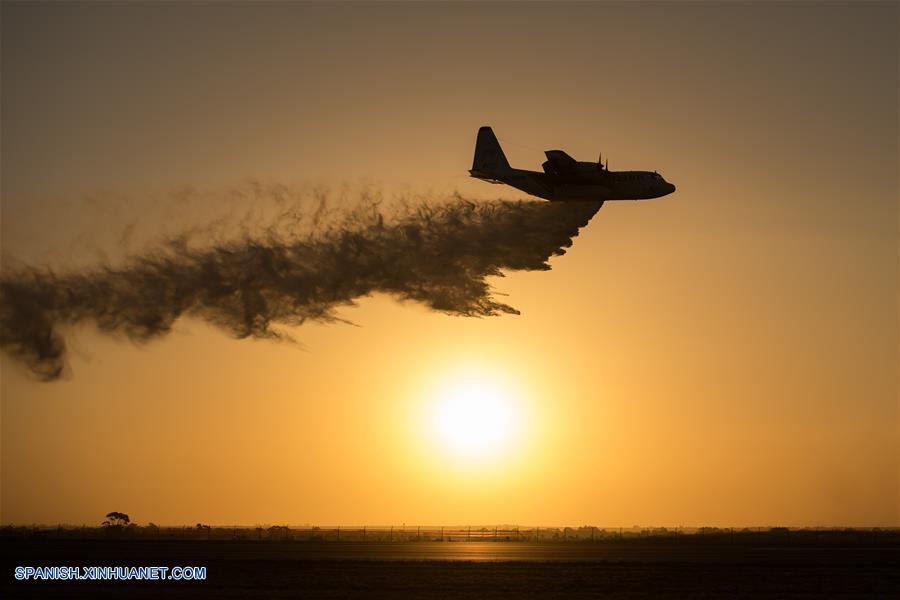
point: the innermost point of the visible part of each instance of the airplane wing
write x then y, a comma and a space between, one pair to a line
558, 162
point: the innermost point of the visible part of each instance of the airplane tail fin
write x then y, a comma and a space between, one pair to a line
489, 157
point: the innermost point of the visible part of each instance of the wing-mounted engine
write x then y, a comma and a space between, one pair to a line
549, 168
559, 163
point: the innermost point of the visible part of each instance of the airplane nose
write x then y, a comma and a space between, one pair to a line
671, 188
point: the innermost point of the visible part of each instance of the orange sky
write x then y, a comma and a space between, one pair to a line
727, 355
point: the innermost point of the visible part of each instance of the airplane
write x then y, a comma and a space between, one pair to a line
564, 179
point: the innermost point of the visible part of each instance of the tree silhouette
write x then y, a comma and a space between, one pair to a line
116, 519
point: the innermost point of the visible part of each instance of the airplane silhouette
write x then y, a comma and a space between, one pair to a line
565, 179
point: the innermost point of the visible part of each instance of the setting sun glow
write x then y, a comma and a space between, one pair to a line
475, 418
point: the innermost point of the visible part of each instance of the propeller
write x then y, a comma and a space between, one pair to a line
600, 162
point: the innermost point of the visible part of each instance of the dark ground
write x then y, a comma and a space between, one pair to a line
654, 568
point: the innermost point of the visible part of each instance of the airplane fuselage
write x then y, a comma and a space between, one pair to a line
583, 184
564, 179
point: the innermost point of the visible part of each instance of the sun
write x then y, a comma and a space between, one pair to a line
475, 417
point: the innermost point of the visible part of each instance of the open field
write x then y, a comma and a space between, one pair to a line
718, 567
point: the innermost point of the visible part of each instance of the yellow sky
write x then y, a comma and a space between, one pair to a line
727, 355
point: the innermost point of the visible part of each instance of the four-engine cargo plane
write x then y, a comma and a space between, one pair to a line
564, 178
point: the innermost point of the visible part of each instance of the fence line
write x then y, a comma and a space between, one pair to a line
419, 533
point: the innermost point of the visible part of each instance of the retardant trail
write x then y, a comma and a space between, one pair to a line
437, 254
